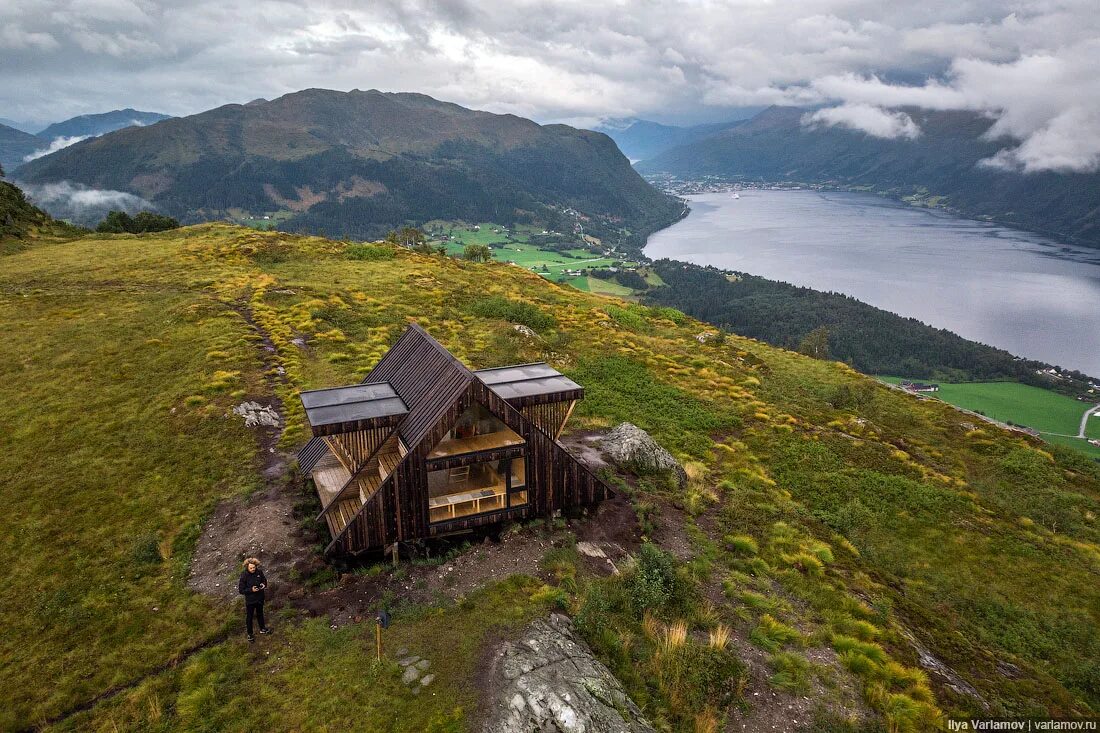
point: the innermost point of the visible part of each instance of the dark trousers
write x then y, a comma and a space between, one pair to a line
257, 610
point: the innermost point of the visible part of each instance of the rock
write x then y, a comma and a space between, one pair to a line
524, 331
631, 448
409, 661
256, 415
402, 651
705, 336
423, 664
550, 681
411, 675
426, 680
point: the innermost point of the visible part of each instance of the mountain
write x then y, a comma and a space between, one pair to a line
100, 124
863, 560
356, 164
642, 139
27, 127
940, 166
14, 146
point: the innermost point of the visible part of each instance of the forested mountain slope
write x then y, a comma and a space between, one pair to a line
942, 166
358, 163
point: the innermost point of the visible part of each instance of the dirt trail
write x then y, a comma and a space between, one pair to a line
262, 525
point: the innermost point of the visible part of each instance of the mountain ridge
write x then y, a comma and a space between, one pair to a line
941, 167
100, 123
354, 164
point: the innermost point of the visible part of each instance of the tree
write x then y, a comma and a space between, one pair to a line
119, 222
408, 237
816, 343
477, 253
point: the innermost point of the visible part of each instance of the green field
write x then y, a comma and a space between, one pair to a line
1056, 416
511, 245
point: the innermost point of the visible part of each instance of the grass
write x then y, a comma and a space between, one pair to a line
850, 520
511, 245
1056, 416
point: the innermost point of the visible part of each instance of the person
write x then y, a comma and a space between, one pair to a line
251, 586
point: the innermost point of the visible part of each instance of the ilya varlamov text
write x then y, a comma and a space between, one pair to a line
974, 724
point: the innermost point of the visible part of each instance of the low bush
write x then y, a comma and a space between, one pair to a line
514, 311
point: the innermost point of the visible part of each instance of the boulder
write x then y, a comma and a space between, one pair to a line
633, 449
550, 682
256, 415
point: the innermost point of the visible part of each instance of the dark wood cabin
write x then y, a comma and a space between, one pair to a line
425, 447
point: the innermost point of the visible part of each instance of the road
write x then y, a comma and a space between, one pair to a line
1085, 420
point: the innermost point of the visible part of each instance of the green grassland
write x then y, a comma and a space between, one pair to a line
511, 245
1056, 416
826, 514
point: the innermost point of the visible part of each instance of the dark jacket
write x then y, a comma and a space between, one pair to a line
244, 586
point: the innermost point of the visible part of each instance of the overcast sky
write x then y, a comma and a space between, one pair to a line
1034, 66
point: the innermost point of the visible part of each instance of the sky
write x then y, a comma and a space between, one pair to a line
1032, 66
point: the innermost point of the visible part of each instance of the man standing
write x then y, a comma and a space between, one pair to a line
251, 586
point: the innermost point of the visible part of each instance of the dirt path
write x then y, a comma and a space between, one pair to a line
262, 525
1085, 421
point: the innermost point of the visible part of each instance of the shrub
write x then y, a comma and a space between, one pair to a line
514, 311
626, 318
653, 581
477, 253
370, 252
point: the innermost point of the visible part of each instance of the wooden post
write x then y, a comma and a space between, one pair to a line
378, 637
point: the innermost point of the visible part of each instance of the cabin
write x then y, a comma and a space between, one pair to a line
425, 447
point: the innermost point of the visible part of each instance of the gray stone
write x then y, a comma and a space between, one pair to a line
256, 415
408, 661
423, 664
426, 680
412, 674
632, 448
402, 651
548, 680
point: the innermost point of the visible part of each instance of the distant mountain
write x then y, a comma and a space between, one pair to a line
100, 124
28, 127
641, 139
942, 162
14, 146
356, 164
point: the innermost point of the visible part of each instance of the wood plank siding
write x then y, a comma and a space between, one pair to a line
392, 504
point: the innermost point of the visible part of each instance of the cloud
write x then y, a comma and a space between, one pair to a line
872, 120
81, 204
1029, 66
57, 144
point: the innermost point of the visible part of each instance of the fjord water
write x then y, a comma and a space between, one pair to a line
1013, 289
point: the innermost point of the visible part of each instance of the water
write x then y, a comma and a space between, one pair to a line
1020, 291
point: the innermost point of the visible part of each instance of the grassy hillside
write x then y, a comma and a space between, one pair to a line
941, 167
830, 521
359, 163
21, 222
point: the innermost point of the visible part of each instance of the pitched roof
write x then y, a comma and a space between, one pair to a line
425, 375
419, 375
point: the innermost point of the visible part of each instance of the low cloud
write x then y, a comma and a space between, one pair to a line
81, 204
867, 118
57, 144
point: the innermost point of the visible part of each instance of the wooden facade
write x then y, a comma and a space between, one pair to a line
382, 434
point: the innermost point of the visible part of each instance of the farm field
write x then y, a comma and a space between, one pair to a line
1056, 416
513, 247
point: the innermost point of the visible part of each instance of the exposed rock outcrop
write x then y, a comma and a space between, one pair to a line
255, 414
633, 449
549, 682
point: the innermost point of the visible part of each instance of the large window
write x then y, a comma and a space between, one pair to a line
476, 488
476, 430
